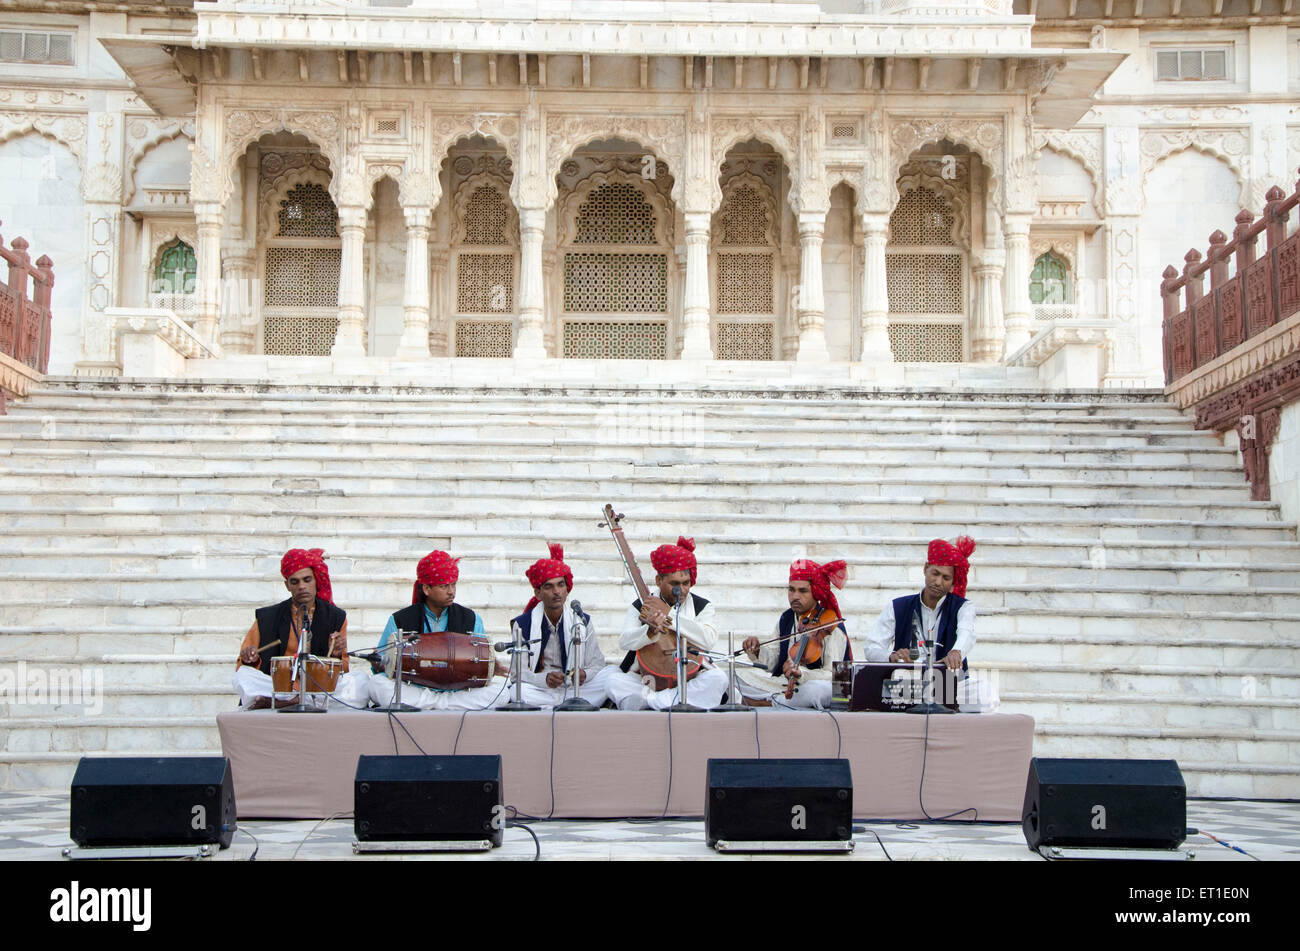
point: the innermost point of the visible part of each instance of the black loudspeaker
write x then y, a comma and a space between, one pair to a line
778, 800
161, 800
429, 798
1115, 803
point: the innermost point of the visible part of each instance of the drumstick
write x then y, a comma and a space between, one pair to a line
275, 643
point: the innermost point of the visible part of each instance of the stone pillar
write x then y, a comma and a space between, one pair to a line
414, 344
531, 344
1017, 307
875, 289
695, 300
809, 304
440, 329
988, 334
208, 215
552, 332
349, 339
238, 331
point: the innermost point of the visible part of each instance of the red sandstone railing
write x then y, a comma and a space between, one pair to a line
1260, 292
24, 323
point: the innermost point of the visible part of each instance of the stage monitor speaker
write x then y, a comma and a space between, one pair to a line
778, 800
428, 798
145, 801
1130, 803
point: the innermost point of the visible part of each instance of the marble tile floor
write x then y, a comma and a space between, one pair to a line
34, 827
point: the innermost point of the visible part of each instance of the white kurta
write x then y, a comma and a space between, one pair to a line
534, 689
814, 689
880, 638
352, 689
630, 692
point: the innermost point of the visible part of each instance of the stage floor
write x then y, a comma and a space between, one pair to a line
34, 827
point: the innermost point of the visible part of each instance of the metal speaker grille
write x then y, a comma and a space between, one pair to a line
615, 283
302, 277
616, 213
925, 283
615, 340
745, 217
921, 218
744, 283
308, 212
298, 336
484, 338
485, 283
485, 217
744, 341
926, 343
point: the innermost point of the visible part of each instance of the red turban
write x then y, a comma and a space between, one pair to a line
820, 578
679, 557
435, 568
296, 559
955, 557
544, 569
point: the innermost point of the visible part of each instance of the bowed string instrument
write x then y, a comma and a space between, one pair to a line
811, 630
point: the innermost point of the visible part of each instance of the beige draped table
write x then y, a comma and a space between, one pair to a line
611, 764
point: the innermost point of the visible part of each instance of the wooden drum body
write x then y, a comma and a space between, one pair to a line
322, 674
444, 660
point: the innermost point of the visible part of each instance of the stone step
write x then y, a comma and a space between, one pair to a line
1141, 711
33, 771
139, 735
1203, 777
725, 569
1276, 748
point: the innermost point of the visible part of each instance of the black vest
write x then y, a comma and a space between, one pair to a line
459, 620
275, 621
630, 658
525, 622
785, 627
906, 608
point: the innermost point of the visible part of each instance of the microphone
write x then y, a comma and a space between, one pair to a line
677, 593
577, 609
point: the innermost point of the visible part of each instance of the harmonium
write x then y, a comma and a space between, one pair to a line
891, 687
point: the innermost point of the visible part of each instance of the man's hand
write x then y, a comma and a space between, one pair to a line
750, 646
903, 656
248, 656
338, 644
554, 678
790, 670
952, 660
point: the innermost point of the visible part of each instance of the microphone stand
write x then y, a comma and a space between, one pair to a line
927, 705
300, 667
681, 706
576, 702
733, 693
402, 638
517, 654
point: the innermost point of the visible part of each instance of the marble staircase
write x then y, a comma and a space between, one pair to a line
1131, 596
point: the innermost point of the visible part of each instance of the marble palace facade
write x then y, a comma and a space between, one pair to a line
850, 181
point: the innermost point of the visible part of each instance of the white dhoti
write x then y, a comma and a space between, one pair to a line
756, 684
382, 690
595, 690
629, 692
352, 689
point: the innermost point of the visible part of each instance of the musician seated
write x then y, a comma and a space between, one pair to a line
938, 619
546, 627
650, 639
276, 629
812, 604
433, 608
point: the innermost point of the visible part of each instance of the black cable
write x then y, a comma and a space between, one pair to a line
920, 788
882, 844
839, 737
393, 718
668, 798
256, 845
758, 747
456, 745
552, 772
537, 843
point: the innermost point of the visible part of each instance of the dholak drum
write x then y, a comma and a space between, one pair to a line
445, 660
322, 675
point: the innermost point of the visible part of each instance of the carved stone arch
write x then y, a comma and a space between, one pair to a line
269, 213
377, 169
781, 135
1079, 148
1040, 246
984, 137
740, 180
157, 134
663, 136
957, 200
68, 131
245, 125
173, 232
465, 191
1230, 146
446, 131
566, 215
854, 178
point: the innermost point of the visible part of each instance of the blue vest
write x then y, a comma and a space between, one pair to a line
906, 608
525, 622
785, 627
